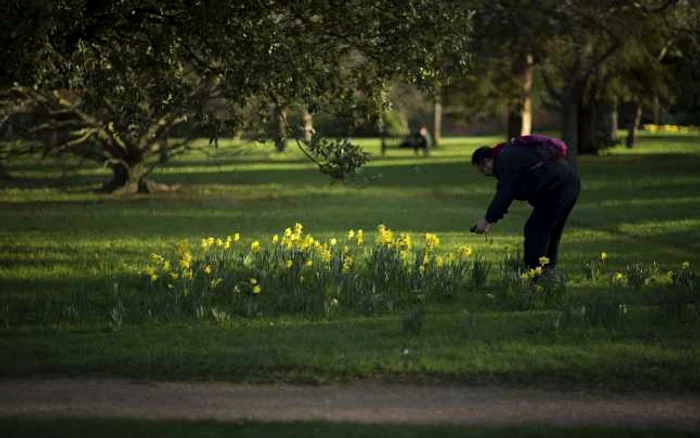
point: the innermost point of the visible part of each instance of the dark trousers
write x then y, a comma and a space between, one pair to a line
546, 223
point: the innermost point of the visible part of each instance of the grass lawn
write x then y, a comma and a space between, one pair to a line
60, 240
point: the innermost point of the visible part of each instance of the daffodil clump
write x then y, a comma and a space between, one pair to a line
411, 272
680, 300
684, 278
530, 288
672, 129
594, 268
294, 272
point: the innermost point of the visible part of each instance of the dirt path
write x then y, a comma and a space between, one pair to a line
365, 403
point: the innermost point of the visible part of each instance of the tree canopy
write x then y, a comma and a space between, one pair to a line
108, 80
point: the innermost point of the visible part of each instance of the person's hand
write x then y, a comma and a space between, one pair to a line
482, 227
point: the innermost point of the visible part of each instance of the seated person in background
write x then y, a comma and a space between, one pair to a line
420, 139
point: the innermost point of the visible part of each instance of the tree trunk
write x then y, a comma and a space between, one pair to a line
514, 122
281, 129
307, 124
528, 80
163, 155
437, 120
569, 123
633, 125
657, 110
519, 113
127, 179
587, 129
612, 137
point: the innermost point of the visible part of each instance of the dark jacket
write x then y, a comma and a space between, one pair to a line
523, 175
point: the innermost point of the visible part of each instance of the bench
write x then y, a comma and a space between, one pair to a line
400, 142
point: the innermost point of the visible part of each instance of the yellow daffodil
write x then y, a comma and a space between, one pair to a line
154, 277
333, 242
431, 241
166, 266
603, 256
360, 237
207, 269
385, 237
439, 261
404, 241
255, 246
685, 265
351, 234
185, 260
257, 289
253, 281
182, 247
347, 263
544, 261
275, 238
309, 263
326, 255
157, 259
288, 264
219, 243
465, 251
539, 270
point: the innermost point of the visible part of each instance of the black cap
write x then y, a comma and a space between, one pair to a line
480, 155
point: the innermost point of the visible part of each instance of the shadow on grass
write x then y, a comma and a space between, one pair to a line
119, 428
407, 173
614, 172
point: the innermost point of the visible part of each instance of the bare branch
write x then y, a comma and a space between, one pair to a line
549, 85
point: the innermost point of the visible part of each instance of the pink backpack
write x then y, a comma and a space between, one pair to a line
549, 148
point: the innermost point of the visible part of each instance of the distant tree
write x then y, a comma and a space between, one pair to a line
108, 80
601, 52
501, 81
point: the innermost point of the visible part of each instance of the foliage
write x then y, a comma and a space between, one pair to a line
339, 159
395, 124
